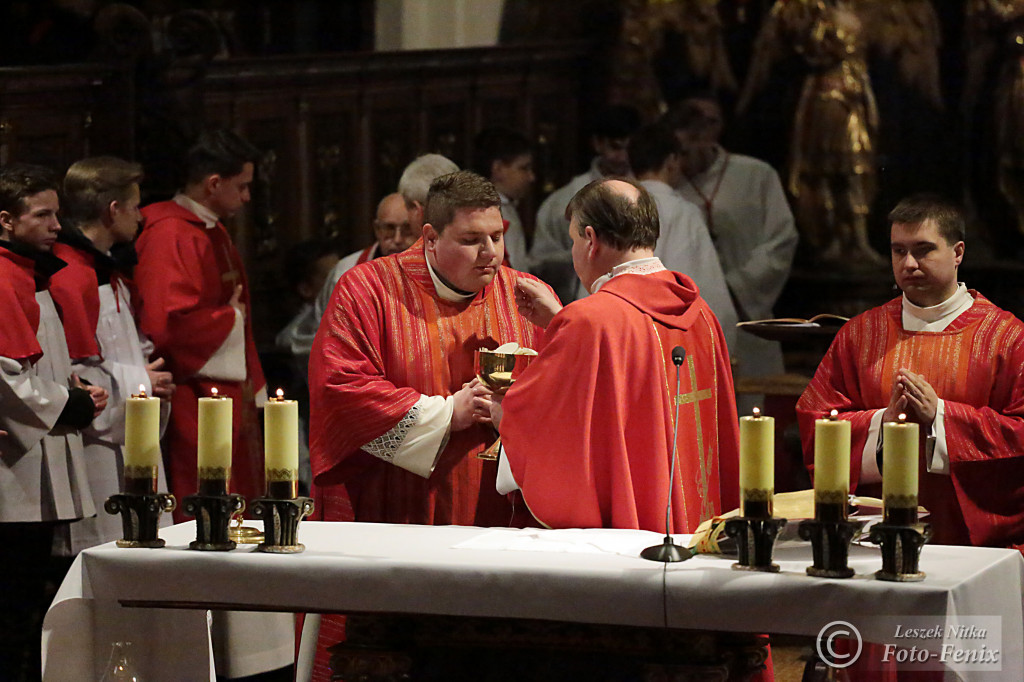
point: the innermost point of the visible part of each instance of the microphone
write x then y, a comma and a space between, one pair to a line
668, 551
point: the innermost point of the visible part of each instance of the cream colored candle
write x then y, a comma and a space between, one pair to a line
831, 459
141, 444
215, 436
899, 463
142, 430
281, 440
757, 461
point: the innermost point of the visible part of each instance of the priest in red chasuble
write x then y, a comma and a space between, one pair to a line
397, 417
951, 360
195, 304
603, 389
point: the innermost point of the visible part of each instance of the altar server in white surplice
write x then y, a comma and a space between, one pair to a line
101, 207
43, 481
684, 244
749, 220
551, 253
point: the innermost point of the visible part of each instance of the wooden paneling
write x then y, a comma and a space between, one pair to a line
339, 130
54, 116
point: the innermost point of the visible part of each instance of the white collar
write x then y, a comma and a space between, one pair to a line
936, 317
443, 290
640, 266
202, 212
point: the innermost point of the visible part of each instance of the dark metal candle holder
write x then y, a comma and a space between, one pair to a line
901, 545
830, 534
755, 541
281, 523
140, 516
213, 514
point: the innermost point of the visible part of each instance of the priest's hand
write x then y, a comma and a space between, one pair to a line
922, 399
536, 302
897, 403
472, 405
236, 300
162, 382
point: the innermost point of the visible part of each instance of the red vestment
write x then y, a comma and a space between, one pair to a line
974, 365
385, 339
602, 393
186, 276
19, 307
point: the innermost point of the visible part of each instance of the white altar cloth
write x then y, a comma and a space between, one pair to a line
590, 576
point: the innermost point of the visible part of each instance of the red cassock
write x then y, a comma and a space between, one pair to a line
974, 365
185, 278
602, 392
385, 339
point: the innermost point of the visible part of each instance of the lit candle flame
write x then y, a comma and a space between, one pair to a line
833, 414
280, 394
213, 392
757, 412
902, 418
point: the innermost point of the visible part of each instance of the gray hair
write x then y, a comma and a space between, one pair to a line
414, 184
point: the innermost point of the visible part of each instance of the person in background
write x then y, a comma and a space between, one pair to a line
551, 253
505, 158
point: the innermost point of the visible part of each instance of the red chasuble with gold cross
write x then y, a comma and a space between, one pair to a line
588, 427
185, 278
974, 365
385, 339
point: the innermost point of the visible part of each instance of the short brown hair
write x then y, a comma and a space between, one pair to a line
91, 184
461, 189
918, 208
618, 220
20, 181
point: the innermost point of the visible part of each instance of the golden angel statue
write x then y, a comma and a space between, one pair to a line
645, 25
832, 174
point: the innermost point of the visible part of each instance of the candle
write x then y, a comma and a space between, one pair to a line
281, 446
141, 443
899, 470
757, 464
831, 467
214, 444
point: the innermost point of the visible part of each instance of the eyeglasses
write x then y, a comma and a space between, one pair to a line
384, 228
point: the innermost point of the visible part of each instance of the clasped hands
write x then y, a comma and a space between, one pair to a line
914, 396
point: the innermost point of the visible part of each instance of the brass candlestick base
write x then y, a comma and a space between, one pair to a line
830, 546
901, 550
755, 540
140, 515
281, 523
213, 513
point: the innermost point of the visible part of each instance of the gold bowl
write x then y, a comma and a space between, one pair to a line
499, 370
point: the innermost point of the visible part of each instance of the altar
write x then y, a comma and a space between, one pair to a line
158, 598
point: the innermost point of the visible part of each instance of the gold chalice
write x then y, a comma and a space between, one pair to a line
499, 370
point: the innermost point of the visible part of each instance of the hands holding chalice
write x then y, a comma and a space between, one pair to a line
496, 370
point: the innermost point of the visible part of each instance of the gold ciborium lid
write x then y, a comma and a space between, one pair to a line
500, 369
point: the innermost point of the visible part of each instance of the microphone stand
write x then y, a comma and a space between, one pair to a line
668, 551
